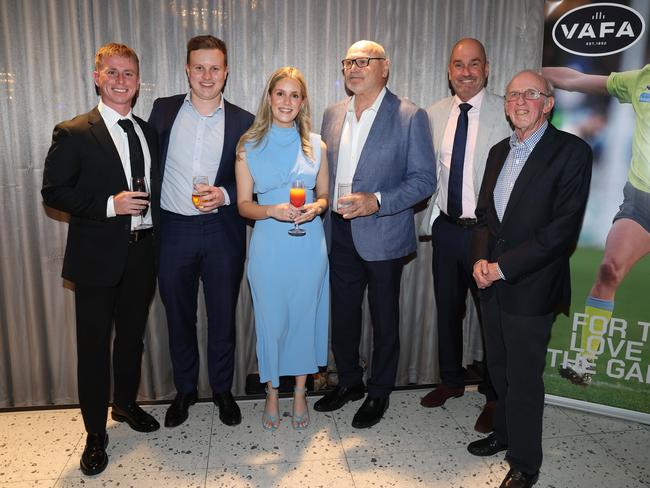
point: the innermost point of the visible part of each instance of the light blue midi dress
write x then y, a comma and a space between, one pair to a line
288, 276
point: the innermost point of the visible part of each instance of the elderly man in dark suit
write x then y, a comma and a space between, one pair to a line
380, 149
110, 253
530, 211
204, 240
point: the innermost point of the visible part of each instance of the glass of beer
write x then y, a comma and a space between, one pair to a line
198, 190
297, 199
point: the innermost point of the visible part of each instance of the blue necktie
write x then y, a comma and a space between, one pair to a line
455, 188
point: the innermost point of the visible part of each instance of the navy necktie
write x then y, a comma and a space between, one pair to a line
135, 148
455, 188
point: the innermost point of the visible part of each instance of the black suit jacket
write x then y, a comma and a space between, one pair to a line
540, 225
82, 169
237, 121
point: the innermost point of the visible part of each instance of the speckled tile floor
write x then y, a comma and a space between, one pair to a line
411, 447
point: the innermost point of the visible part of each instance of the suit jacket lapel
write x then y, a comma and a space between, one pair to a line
100, 132
228, 136
171, 115
537, 161
377, 133
337, 128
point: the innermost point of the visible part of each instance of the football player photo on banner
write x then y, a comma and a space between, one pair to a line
597, 55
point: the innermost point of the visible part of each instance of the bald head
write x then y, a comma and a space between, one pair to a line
468, 68
374, 49
369, 80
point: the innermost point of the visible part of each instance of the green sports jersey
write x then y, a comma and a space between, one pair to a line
634, 87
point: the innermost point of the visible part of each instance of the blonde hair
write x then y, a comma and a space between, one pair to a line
264, 116
115, 49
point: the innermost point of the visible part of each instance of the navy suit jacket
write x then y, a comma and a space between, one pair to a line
237, 121
398, 161
540, 225
82, 169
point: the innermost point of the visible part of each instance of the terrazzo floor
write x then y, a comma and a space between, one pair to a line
411, 447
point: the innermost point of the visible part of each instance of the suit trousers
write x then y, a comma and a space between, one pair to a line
97, 308
349, 276
194, 248
452, 278
516, 347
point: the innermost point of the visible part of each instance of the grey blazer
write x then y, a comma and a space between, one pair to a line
398, 161
493, 127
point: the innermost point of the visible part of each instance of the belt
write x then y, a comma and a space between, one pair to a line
465, 223
138, 235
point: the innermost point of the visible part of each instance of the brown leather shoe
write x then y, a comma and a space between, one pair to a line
484, 421
438, 397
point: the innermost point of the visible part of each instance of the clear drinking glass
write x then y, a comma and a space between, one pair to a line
197, 192
139, 183
297, 198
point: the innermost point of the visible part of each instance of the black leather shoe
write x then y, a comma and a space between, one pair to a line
486, 447
519, 479
94, 458
178, 410
137, 418
338, 397
370, 412
229, 412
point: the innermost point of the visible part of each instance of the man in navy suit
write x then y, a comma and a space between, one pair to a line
198, 134
380, 148
108, 257
529, 212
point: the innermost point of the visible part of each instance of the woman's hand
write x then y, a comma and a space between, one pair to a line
284, 212
308, 212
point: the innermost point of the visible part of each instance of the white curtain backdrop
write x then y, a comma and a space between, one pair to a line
46, 62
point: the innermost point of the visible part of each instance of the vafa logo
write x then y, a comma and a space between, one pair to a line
598, 29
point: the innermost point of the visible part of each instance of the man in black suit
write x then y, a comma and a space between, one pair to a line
109, 256
198, 134
530, 210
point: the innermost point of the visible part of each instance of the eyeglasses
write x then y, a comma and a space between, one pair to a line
360, 62
530, 94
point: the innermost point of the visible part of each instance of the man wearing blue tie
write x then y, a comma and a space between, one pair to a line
464, 127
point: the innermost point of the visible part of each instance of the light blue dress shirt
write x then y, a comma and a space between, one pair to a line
195, 148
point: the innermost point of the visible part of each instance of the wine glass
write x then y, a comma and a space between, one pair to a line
197, 193
297, 199
139, 183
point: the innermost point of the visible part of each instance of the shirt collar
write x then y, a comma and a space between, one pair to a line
188, 100
475, 101
375, 105
531, 141
110, 116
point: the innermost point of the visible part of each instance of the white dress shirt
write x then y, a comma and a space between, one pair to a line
353, 138
444, 157
121, 142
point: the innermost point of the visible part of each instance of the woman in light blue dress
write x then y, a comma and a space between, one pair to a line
288, 275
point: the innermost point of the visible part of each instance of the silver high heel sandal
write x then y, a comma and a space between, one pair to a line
270, 422
300, 422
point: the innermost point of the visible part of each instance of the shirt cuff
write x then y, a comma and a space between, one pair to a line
226, 197
110, 208
500, 272
378, 195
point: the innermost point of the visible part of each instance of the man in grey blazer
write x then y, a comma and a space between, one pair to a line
464, 127
380, 149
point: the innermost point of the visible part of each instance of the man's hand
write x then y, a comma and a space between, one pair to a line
212, 199
485, 273
130, 202
357, 205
